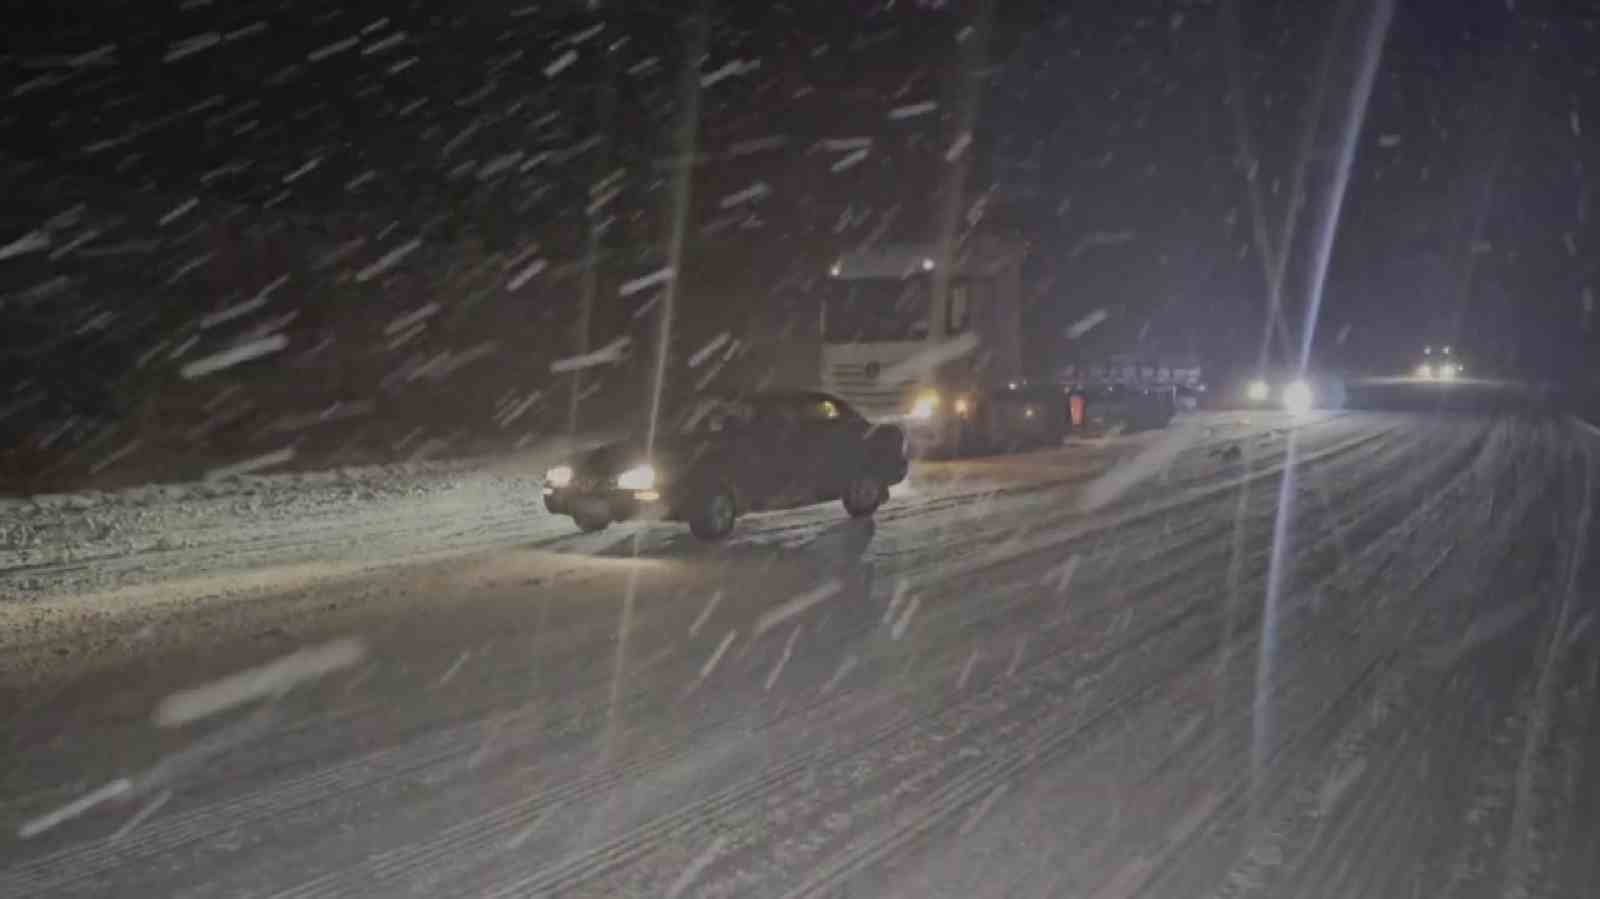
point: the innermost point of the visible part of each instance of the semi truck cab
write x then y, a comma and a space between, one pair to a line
932, 347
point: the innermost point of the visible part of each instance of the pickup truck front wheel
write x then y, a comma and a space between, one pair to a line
863, 495
714, 513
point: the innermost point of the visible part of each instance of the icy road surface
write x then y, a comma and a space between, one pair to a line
1054, 674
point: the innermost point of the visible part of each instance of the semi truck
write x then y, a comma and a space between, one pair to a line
936, 347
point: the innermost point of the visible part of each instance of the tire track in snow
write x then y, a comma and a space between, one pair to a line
269, 810
986, 787
956, 798
1370, 788
490, 834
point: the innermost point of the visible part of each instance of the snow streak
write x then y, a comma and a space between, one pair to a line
228, 358
610, 353
263, 461
256, 683
388, 261
637, 284
796, 606
112, 790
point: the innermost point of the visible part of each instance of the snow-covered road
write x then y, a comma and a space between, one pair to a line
1146, 666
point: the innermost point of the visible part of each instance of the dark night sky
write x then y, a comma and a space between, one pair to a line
1105, 129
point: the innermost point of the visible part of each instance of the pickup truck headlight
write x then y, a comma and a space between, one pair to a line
560, 476
639, 477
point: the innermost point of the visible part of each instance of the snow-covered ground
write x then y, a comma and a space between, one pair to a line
1147, 666
100, 540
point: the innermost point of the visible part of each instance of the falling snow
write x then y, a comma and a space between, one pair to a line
252, 465
648, 281
388, 260
750, 194
716, 654
387, 43
705, 352
333, 49
560, 63
796, 606
705, 613
228, 358
959, 147
179, 211
110, 791
913, 110
732, 69
609, 354
193, 45
217, 299
850, 160
526, 274
1086, 324
701, 862
271, 679
783, 660
414, 317
32, 242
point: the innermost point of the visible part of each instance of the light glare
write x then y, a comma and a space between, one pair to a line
1297, 398
639, 477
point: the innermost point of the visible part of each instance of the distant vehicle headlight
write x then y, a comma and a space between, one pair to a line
1425, 371
1297, 397
560, 476
1258, 390
639, 477
926, 405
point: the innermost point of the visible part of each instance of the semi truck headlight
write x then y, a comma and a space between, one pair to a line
639, 477
926, 405
1297, 398
1425, 371
1447, 372
560, 476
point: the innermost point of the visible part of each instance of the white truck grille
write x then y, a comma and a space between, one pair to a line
861, 388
